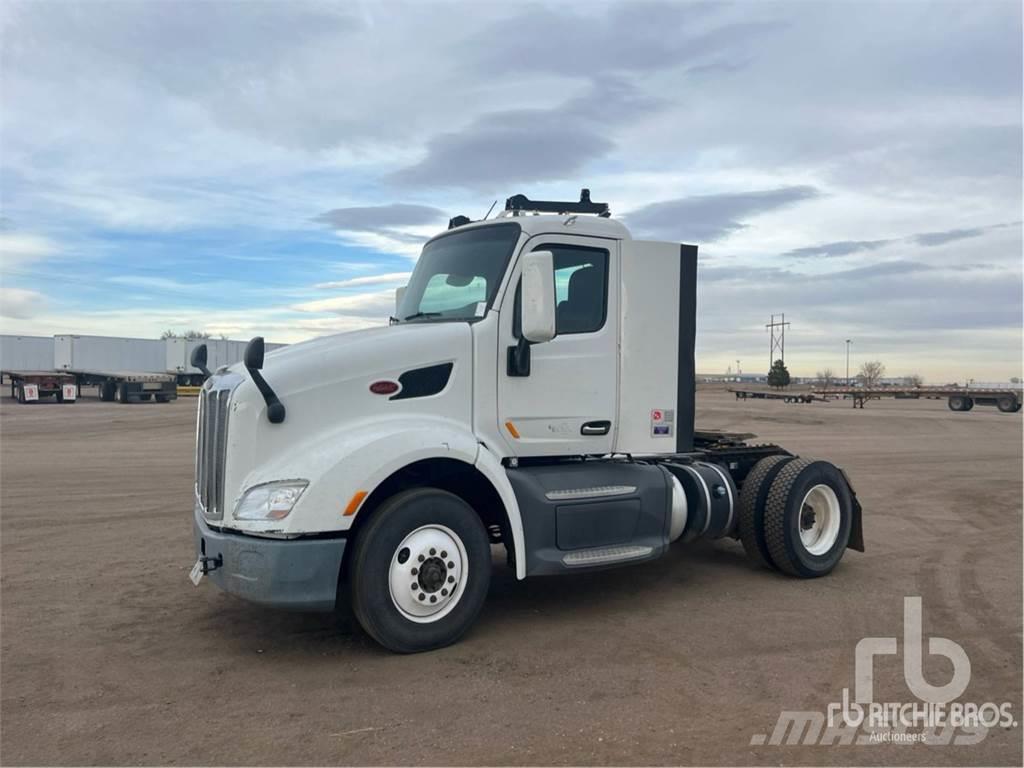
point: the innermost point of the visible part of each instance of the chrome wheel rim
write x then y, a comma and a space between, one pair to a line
428, 573
820, 519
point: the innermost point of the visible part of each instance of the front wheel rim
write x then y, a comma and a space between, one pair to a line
428, 573
820, 519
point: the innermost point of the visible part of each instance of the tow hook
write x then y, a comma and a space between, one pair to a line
210, 564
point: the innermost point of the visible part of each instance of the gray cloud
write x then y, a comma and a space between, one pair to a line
380, 218
706, 218
529, 144
927, 239
629, 38
842, 248
950, 235
386, 220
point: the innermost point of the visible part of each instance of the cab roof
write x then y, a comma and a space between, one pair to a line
561, 224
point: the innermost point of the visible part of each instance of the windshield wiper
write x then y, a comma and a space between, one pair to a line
418, 315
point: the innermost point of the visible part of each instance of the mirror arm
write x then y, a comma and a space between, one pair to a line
519, 358
253, 361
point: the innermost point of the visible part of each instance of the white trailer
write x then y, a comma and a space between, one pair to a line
124, 370
26, 353
535, 390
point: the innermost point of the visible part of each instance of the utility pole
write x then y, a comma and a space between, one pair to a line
847, 362
778, 339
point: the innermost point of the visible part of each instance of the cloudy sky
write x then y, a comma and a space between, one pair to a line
270, 168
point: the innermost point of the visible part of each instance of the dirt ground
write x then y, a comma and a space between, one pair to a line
110, 656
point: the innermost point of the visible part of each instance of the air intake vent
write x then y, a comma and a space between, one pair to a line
211, 450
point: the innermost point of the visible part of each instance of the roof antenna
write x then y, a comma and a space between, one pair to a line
489, 211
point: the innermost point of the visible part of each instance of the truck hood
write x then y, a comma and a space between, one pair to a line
321, 372
324, 385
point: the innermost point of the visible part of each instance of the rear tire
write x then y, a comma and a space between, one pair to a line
107, 389
751, 507
420, 523
163, 398
21, 394
808, 517
957, 403
1008, 404
121, 394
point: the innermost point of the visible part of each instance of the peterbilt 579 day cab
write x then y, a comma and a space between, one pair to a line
534, 390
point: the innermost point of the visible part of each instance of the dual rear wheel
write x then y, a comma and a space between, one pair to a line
796, 515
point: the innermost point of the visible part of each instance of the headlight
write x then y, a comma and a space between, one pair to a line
272, 501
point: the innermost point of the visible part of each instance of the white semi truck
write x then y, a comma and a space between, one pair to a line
535, 390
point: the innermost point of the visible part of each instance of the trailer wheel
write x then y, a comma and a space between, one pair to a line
107, 389
957, 403
1008, 404
808, 516
163, 398
752, 498
21, 394
969, 404
421, 570
121, 393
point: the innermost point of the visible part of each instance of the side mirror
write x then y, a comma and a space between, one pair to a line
538, 307
254, 354
198, 359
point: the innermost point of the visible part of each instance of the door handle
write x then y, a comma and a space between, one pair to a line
596, 428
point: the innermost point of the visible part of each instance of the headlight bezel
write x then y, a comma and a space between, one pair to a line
269, 502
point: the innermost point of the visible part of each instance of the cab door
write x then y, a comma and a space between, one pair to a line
566, 404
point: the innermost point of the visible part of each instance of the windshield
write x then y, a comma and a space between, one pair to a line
457, 274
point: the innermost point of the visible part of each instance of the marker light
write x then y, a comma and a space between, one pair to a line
271, 501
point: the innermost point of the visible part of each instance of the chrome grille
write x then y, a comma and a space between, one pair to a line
211, 450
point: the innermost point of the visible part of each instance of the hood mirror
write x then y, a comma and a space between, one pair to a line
198, 359
253, 363
254, 354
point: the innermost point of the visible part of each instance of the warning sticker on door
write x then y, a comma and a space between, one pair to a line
663, 422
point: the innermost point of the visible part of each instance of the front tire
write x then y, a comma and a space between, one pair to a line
808, 517
421, 571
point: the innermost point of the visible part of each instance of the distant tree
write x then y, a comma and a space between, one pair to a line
187, 335
913, 380
871, 373
826, 378
1015, 379
778, 376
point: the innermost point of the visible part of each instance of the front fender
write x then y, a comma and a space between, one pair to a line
355, 458
360, 457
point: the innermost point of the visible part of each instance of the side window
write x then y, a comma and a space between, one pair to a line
581, 289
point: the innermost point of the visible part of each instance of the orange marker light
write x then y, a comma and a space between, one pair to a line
512, 429
354, 503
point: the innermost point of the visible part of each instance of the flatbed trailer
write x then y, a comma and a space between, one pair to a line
957, 398
130, 386
789, 397
33, 386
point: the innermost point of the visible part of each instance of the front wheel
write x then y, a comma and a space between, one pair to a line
421, 571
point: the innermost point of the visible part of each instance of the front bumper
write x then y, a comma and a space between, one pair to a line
297, 574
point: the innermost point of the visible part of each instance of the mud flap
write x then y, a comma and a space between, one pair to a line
856, 541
